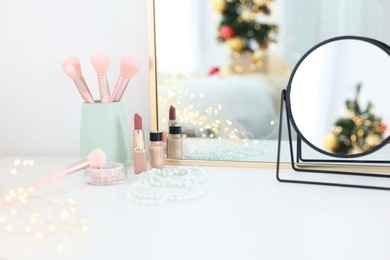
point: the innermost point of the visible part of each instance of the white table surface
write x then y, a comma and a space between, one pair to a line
243, 214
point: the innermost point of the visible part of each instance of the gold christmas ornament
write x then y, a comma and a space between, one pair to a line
259, 2
356, 150
248, 16
331, 143
219, 5
373, 140
236, 43
255, 8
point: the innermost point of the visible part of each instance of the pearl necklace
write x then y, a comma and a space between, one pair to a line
227, 153
157, 186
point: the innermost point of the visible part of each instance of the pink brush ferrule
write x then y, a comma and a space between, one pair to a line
77, 166
61, 173
106, 99
104, 89
83, 89
86, 87
120, 88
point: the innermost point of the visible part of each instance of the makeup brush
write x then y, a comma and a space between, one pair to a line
100, 63
72, 68
77, 67
95, 159
129, 67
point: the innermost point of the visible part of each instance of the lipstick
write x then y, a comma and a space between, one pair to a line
139, 150
172, 116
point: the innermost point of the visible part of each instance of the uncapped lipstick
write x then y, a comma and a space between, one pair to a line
172, 116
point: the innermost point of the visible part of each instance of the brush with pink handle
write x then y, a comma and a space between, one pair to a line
95, 159
129, 67
100, 63
72, 68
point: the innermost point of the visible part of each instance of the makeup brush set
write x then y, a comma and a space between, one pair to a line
103, 122
129, 66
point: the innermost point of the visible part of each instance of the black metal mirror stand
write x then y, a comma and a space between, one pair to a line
301, 158
295, 166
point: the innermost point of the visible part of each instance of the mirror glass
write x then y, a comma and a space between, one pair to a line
223, 63
338, 96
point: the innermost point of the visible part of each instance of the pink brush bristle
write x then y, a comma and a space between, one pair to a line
129, 66
76, 63
72, 67
100, 63
97, 158
70, 71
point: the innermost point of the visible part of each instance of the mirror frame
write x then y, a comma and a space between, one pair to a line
364, 168
153, 76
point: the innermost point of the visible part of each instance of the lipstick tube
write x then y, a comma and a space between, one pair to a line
139, 151
172, 117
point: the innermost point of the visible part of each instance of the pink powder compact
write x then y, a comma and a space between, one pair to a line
110, 173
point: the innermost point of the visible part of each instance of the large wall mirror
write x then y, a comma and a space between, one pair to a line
223, 63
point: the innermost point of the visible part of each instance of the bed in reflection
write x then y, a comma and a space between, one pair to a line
222, 107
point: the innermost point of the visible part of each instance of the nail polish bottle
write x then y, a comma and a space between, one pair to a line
156, 150
175, 143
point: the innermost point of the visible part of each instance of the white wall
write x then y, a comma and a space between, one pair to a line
39, 104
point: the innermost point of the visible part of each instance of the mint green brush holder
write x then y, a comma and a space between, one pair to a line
104, 126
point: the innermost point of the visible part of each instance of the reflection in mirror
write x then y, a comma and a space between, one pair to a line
217, 74
338, 97
223, 64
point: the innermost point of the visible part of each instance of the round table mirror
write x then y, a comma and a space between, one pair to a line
338, 96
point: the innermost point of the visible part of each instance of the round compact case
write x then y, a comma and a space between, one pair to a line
111, 173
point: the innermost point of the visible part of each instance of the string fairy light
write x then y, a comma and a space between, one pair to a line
199, 122
37, 215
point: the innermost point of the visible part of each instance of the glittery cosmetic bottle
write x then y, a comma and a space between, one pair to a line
156, 150
175, 143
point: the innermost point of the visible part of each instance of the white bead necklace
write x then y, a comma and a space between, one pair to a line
157, 186
227, 153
